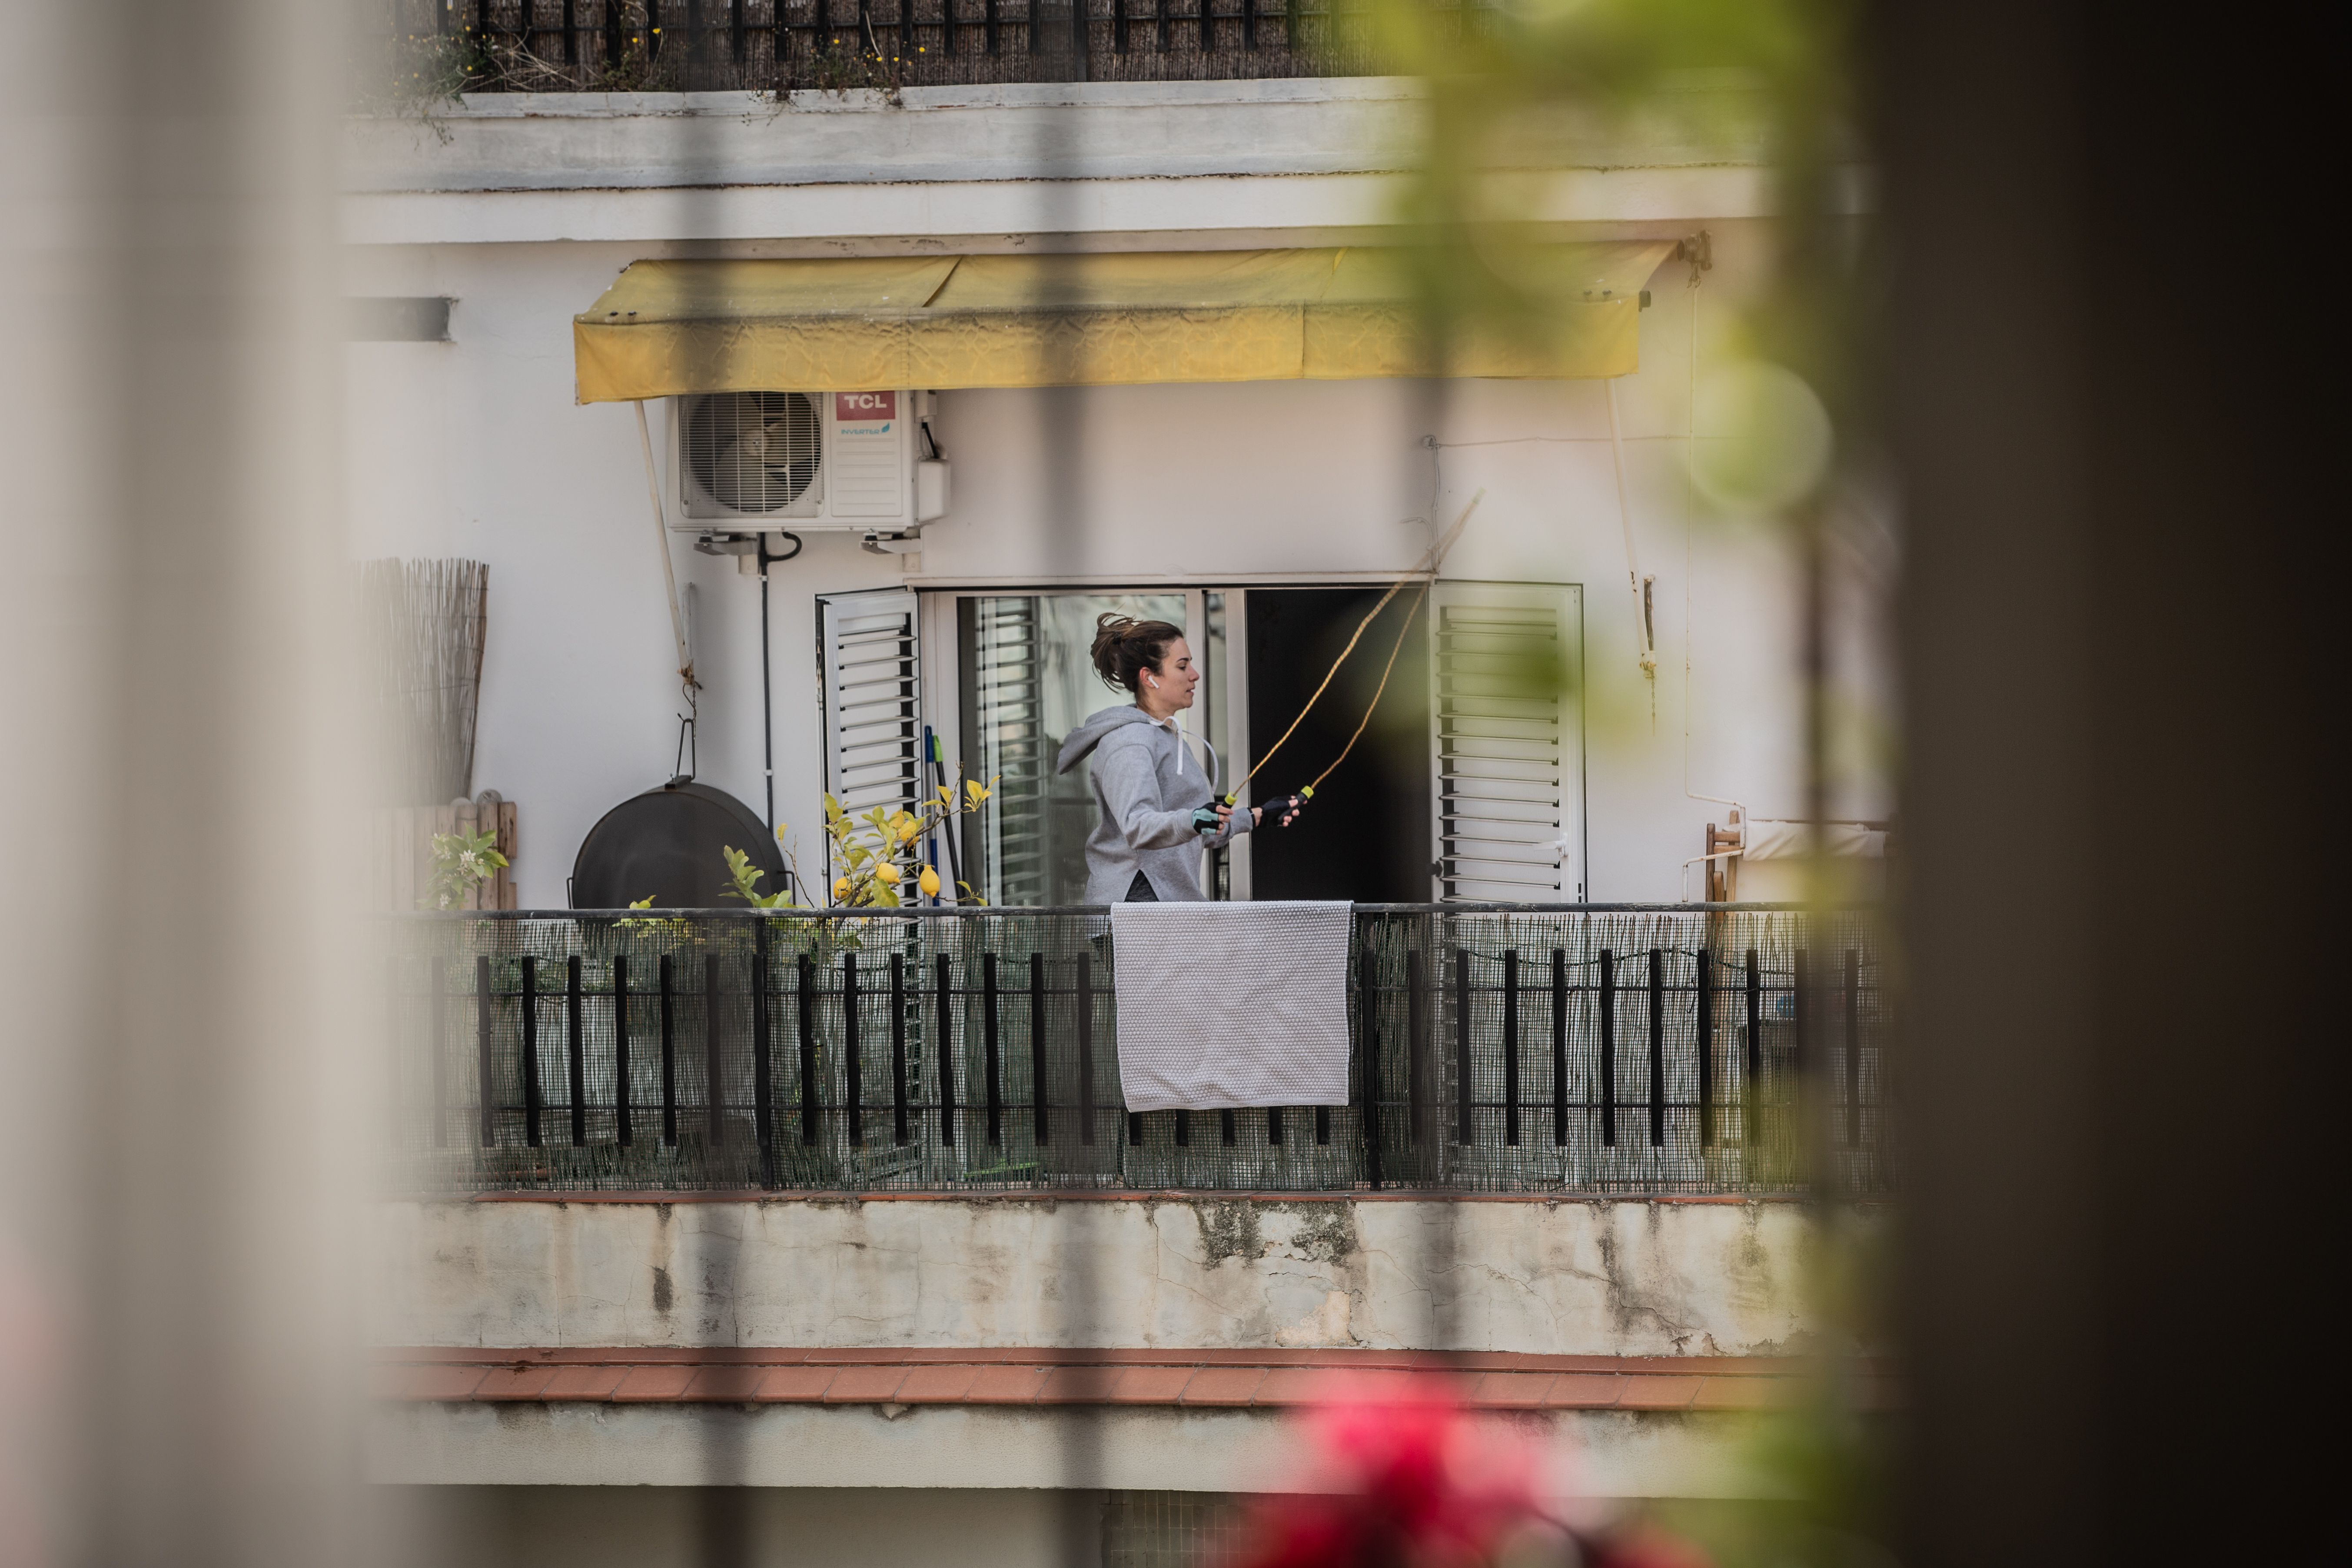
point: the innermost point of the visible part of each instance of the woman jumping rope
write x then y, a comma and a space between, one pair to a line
1147, 785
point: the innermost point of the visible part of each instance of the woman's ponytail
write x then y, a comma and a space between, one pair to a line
1124, 647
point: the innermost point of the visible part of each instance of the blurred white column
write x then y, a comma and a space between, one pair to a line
175, 1141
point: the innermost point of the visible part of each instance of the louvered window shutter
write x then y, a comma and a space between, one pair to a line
1004, 674
872, 697
1507, 751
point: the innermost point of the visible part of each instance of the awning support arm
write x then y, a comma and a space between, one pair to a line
661, 538
1644, 632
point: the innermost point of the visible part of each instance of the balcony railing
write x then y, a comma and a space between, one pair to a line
1720, 1049
491, 46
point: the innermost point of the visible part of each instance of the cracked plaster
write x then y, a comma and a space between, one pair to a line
1570, 1278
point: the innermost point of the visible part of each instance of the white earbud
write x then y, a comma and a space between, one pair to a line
1151, 677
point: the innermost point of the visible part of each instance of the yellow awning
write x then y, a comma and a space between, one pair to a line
862, 325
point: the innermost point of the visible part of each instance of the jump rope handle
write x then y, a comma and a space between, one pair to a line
1204, 820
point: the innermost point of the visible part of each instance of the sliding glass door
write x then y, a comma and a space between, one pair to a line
1450, 745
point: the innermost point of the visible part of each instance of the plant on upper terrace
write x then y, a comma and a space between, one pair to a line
462, 863
847, 65
417, 75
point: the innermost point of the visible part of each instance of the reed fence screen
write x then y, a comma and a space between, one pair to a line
1724, 1050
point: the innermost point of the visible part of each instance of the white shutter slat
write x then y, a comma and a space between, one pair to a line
872, 694
1506, 745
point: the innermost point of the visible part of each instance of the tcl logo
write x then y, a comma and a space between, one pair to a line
862, 408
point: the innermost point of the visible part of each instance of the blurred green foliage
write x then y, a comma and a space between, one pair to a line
1518, 99
1519, 94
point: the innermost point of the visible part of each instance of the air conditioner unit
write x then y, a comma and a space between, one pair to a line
747, 461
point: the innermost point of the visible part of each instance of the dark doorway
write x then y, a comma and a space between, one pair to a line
1365, 837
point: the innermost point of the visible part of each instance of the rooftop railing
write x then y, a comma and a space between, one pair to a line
1711, 1049
491, 46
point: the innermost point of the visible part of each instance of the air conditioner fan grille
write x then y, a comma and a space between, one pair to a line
752, 451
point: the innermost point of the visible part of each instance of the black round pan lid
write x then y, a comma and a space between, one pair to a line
670, 843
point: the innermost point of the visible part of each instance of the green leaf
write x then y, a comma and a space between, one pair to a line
746, 875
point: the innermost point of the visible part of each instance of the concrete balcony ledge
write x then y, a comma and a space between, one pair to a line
919, 99
827, 1341
551, 141
1025, 133
1188, 1274
1604, 1426
1264, 1380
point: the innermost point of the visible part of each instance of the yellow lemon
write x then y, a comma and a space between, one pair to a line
840, 889
887, 872
906, 831
929, 882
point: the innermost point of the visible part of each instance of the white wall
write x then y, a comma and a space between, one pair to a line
476, 448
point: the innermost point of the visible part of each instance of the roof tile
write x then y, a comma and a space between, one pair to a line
1651, 1393
937, 1385
795, 1384
654, 1384
1018, 1375
1739, 1392
727, 1384
1512, 1390
1151, 1385
864, 1384
1584, 1391
1224, 1385
1292, 1385
1006, 1385
526, 1381
583, 1381
1079, 1385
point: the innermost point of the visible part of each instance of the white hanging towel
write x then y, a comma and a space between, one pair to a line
1222, 1006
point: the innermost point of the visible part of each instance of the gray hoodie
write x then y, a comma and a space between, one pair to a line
1147, 785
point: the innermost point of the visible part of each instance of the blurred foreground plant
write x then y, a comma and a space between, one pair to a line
1525, 102
1517, 102
1400, 1474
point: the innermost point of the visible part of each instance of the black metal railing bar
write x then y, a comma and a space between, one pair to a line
1572, 1049
769, 45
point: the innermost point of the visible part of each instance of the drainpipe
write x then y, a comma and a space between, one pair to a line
767, 704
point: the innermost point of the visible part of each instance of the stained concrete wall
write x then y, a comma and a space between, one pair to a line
1578, 1453
484, 1526
577, 1526
1559, 1277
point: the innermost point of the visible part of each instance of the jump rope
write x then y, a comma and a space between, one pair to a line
1423, 575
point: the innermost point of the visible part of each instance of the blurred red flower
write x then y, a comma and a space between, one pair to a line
1400, 1474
